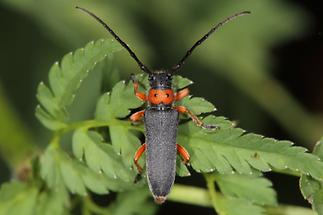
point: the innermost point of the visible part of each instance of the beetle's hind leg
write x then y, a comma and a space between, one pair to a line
196, 120
184, 153
138, 154
136, 158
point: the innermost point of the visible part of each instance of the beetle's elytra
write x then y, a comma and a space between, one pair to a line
161, 117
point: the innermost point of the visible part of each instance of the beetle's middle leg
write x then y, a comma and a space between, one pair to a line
137, 116
196, 120
138, 154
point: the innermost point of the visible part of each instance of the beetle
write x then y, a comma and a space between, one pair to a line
161, 117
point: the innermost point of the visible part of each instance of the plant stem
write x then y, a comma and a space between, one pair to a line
97, 124
16, 142
290, 210
212, 192
190, 195
209, 198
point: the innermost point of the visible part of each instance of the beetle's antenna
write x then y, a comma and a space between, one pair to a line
142, 66
200, 41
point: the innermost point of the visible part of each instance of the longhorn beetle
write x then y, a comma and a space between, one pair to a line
161, 117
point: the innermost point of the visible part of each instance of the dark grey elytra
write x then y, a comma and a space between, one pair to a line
161, 132
161, 121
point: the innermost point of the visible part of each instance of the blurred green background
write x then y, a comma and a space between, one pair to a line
264, 70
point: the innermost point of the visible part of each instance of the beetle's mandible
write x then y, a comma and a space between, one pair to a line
161, 117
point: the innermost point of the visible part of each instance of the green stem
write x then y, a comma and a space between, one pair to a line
87, 124
190, 195
97, 124
290, 210
209, 198
16, 142
212, 192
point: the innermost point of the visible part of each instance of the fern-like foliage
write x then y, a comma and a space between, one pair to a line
117, 104
239, 186
102, 152
64, 80
311, 188
21, 198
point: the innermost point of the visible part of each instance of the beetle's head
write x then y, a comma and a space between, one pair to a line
160, 79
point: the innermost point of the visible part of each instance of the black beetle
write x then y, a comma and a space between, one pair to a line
161, 118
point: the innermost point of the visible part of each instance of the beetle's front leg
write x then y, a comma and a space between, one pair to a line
181, 94
140, 95
196, 120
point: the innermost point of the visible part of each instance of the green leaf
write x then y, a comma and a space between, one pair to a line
60, 171
22, 198
230, 149
52, 202
197, 105
65, 79
236, 206
180, 82
125, 143
17, 198
118, 103
100, 156
256, 190
228, 205
225, 150
312, 189
134, 202
181, 168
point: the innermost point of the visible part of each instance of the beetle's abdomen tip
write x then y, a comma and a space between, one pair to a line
160, 199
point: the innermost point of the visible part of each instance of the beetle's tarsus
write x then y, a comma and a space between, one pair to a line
186, 163
210, 127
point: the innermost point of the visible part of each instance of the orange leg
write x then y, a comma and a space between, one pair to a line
195, 119
138, 154
183, 152
181, 94
140, 95
137, 116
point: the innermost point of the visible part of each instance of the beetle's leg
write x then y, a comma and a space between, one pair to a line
181, 94
137, 116
195, 119
184, 153
138, 154
140, 95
